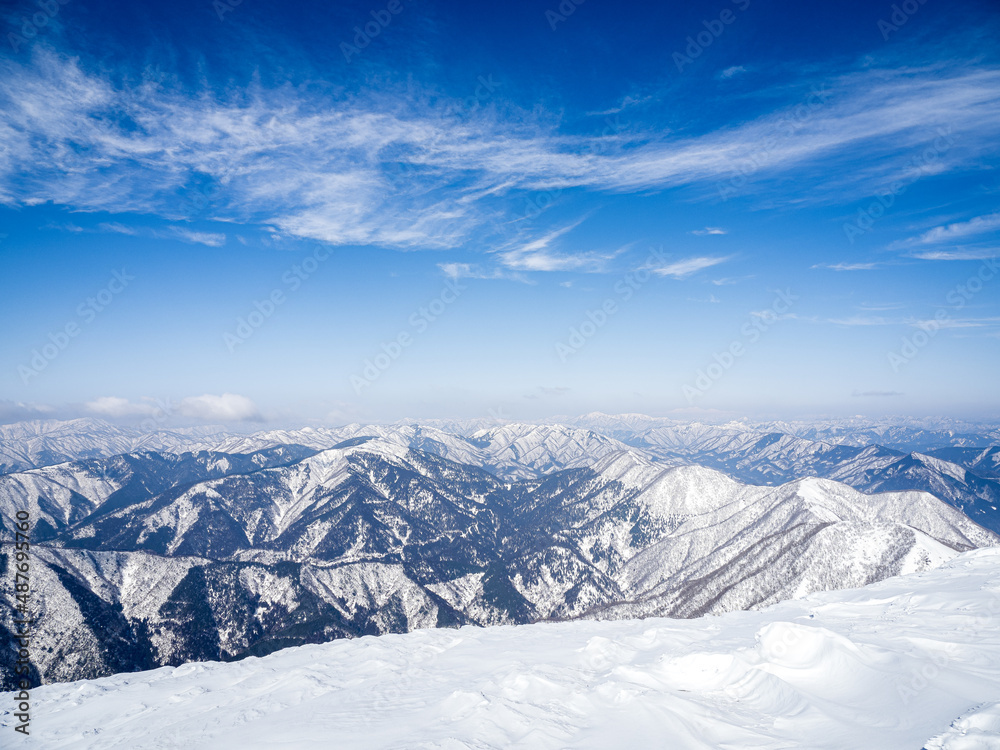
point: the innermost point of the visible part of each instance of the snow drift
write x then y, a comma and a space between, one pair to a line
910, 662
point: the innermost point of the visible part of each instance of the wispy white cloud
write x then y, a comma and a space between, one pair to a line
19, 411
961, 254
949, 233
212, 239
709, 230
117, 228
184, 234
626, 103
548, 392
940, 242
732, 71
926, 324
541, 254
880, 307
770, 315
847, 266
229, 407
866, 320
457, 271
683, 268
115, 406
934, 323
390, 169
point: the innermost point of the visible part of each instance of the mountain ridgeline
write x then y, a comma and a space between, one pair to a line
246, 544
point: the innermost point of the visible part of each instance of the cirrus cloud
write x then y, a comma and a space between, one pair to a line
684, 268
388, 168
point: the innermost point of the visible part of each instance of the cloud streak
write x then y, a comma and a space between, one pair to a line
683, 268
228, 407
957, 231
389, 169
972, 254
847, 266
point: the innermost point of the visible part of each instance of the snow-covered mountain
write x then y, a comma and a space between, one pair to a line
27, 445
63, 494
37, 443
907, 663
964, 477
983, 461
513, 450
760, 454
902, 434
148, 559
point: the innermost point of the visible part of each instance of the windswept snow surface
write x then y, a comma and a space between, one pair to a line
910, 662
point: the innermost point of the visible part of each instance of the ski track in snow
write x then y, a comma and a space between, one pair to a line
910, 662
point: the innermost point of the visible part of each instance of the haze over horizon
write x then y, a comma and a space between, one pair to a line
235, 212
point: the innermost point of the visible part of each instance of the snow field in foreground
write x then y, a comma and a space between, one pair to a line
911, 662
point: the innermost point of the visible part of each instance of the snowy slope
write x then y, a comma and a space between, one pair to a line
964, 478
513, 451
44, 442
772, 453
900, 433
60, 495
374, 537
907, 663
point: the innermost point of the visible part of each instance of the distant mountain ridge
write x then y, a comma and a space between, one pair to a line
965, 476
31, 444
150, 558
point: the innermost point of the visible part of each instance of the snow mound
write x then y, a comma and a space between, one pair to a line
977, 730
910, 662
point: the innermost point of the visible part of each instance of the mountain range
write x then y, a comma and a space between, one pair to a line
278, 538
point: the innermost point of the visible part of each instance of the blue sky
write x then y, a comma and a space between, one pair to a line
281, 213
